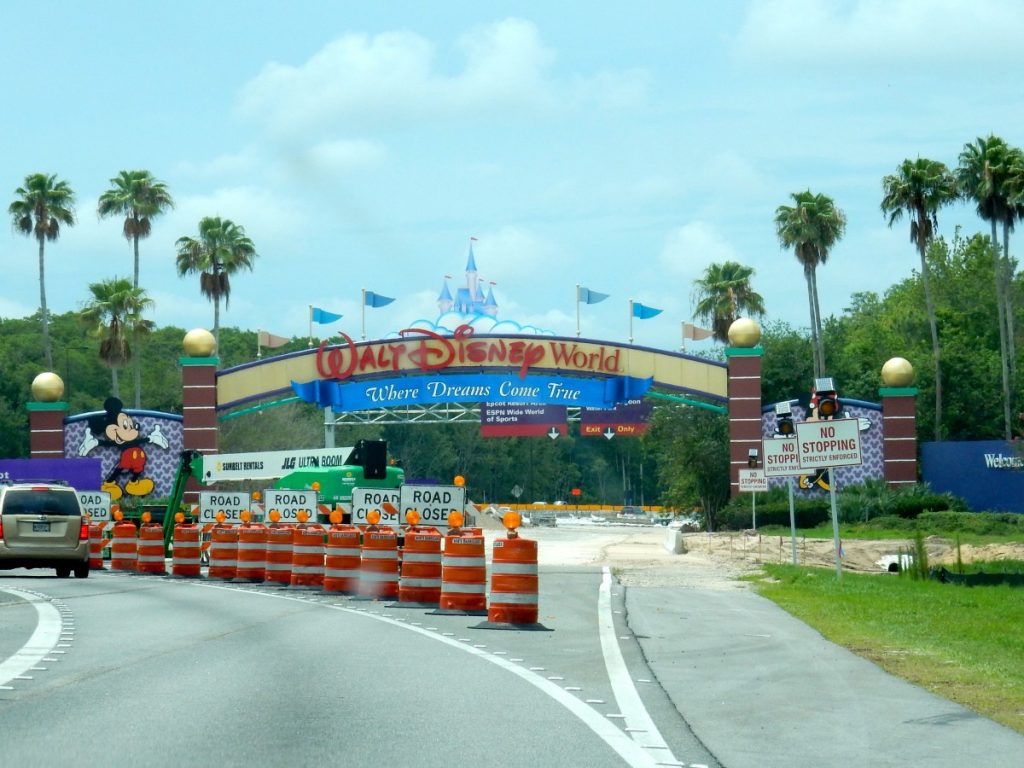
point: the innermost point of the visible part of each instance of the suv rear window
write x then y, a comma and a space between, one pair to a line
43, 502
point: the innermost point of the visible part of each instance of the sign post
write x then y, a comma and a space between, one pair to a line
782, 460
833, 443
753, 480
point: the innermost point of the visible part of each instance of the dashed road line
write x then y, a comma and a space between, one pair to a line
40, 644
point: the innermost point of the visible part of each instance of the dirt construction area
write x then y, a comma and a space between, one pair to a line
650, 555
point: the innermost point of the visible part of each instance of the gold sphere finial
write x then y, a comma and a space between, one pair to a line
897, 372
47, 387
744, 332
199, 342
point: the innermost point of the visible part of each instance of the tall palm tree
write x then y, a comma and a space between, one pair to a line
42, 205
723, 294
139, 197
919, 188
114, 316
221, 249
811, 227
982, 177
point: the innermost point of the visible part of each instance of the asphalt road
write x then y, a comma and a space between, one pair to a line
125, 670
155, 671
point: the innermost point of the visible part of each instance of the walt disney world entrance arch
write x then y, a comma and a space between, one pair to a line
510, 384
523, 385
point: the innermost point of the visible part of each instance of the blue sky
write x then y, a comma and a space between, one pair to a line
361, 145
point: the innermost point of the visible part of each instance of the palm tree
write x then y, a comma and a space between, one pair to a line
982, 175
919, 188
114, 315
43, 204
723, 294
221, 249
811, 227
138, 197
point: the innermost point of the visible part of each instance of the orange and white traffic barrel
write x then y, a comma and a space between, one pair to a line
252, 553
420, 580
185, 550
513, 600
123, 550
151, 548
308, 556
279, 554
463, 571
223, 552
341, 558
378, 564
98, 541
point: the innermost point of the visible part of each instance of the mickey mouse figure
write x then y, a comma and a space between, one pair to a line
116, 428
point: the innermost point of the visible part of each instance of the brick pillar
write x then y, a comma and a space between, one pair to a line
199, 411
744, 409
46, 429
899, 435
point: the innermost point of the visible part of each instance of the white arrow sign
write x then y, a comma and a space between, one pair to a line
554, 433
609, 433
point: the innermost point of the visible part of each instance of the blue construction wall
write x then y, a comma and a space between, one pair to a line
988, 474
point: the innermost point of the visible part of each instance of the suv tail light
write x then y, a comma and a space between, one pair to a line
83, 532
1, 529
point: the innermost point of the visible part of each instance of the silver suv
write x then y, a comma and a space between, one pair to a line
42, 526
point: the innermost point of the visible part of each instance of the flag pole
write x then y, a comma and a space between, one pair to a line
259, 351
682, 346
577, 309
630, 321
363, 307
310, 325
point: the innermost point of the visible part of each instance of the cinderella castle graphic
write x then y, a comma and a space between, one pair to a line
469, 300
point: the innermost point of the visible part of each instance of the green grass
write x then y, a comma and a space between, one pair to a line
963, 643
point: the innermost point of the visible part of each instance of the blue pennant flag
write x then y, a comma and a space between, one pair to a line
323, 317
376, 300
644, 312
588, 296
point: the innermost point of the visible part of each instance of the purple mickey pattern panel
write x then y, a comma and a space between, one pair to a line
870, 445
161, 463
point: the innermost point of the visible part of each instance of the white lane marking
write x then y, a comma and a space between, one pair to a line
40, 644
624, 746
638, 720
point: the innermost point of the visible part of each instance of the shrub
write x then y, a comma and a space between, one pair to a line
809, 513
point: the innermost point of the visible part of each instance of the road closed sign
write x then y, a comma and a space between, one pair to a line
364, 500
781, 458
753, 481
289, 503
96, 504
231, 505
433, 502
833, 443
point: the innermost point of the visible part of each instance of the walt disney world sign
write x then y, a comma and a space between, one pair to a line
425, 352
422, 367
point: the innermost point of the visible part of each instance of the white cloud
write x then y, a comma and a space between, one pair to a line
691, 247
394, 77
515, 256
263, 214
341, 156
241, 162
880, 33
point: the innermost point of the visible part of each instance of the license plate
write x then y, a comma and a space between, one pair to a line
40, 527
